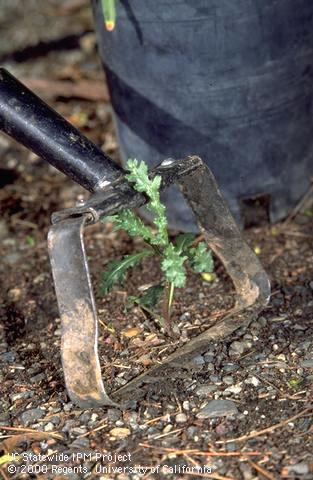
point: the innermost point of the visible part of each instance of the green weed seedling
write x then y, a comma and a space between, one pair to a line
172, 256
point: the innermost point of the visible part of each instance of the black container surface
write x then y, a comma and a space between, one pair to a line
230, 81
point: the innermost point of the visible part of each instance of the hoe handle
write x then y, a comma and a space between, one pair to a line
31, 122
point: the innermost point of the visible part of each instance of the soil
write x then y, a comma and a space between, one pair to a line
265, 370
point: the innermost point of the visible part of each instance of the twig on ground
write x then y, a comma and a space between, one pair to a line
19, 429
214, 476
265, 430
5, 477
97, 429
85, 89
178, 430
201, 453
156, 419
168, 450
261, 470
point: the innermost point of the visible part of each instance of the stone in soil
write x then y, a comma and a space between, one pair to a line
31, 416
198, 360
18, 396
80, 443
237, 348
38, 378
218, 408
228, 380
49, 427
297, 469
181, 418
120, 432
8, 357
252, 381
235, 389
113, 414
307, 363
205, 390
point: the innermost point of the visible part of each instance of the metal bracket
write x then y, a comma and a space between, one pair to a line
74, 290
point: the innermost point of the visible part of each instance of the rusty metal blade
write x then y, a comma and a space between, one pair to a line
79, 349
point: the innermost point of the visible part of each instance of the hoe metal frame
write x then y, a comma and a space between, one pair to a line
30, 121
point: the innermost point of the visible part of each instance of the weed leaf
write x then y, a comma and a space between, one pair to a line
173, 266
116, 269
127, 220
184, 241
201, 258
151, 296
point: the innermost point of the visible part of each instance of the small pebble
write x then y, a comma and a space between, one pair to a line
85, 417
198, 360
208, 357
235, 389
216, 379
228, 380
113, 414
38, 378
80, 443
55, 419
49, 427
79, 430
237, 348
307, 363
120, 432
205, 390
67, 406
218, 408
181, 418
246, 471
8, 357
191, 431
262, 321
168, 428
31, 416
17, 396
230, 367
281, 357
297, 469
253, 381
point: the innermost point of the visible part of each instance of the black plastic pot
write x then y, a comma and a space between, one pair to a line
230, 81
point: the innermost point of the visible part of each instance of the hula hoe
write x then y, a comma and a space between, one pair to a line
27, 119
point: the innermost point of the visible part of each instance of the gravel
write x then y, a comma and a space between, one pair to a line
113, 414
198, 360
205, 390
218, 408
8, 357
307, 363
181, 418
38, 378
237, 348
31, 416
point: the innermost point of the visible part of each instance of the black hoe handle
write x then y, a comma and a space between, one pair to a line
30, 121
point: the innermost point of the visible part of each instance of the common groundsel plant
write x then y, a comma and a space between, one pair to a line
172, 255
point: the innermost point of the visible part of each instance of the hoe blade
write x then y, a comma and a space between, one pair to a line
75, 295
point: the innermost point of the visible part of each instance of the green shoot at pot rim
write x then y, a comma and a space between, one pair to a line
109, 14
172, 255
